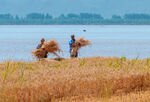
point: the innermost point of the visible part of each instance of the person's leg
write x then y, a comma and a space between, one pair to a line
71, 55
45, 56
76, 55
74, 52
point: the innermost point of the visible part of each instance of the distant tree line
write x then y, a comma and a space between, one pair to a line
71, 18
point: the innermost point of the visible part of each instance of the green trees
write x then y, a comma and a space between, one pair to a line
35, 16
90, 16
71, 18
116, 17
6, 16
71, 15
47, 16
136, 16
38, 16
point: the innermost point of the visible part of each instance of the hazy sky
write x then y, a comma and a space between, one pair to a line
55, 7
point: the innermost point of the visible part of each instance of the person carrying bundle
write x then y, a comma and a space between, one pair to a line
44, 48
40, 47
75, 45
72, 46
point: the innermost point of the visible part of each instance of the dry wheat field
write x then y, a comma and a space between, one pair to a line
96, 79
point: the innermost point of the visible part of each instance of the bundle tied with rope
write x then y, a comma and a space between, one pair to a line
48, 47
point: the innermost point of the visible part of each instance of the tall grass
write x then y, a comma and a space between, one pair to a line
96, 79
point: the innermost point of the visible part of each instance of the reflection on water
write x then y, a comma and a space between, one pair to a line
17, 42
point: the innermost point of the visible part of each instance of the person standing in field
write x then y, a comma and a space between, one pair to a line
40, 46
72, 46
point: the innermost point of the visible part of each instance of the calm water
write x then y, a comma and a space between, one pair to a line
17, 42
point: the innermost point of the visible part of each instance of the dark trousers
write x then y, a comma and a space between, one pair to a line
45, 56
74, 55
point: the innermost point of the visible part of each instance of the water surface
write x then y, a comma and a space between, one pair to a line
17, 42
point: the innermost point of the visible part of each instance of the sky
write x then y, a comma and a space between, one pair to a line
56, 7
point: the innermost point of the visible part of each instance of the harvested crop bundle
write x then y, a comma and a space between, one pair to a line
40, 53
81, 42
48, 47
51, 46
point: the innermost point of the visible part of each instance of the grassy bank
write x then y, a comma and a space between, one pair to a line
95, 79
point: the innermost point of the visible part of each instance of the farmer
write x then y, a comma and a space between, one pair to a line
72, 46
40, 46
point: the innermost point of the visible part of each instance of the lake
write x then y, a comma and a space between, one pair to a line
18, 41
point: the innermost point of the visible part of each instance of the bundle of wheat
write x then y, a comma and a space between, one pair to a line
51, 46
48, 47
81, 42
39, 53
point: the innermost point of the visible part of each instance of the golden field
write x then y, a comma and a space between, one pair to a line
96, 79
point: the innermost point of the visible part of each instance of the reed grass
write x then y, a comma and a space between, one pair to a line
96, 79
